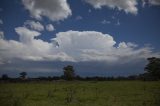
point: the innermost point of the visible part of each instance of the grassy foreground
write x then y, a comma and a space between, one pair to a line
77, 93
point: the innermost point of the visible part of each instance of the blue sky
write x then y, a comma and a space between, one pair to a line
133, 26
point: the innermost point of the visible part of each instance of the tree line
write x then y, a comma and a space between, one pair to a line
152, 72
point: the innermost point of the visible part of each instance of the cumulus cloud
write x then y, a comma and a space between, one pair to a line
71, 46
50, 27
29, 48
129, 6
34, 25
53, 9
26, 35
96, 46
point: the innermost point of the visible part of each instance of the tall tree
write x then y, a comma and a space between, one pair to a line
69, 73
153, 67
23, 75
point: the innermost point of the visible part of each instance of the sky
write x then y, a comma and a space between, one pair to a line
97, 37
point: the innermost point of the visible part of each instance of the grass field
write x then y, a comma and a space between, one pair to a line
77, 93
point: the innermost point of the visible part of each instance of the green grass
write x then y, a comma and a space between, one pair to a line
77, 93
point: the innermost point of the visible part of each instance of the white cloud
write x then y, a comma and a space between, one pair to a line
50, 27
34, 25
96, 46
154, 2
151, 2
89, 10
26, 35
129, 6
72, 46
105, 22
1, 34
118, 23
53, 9
79, 17
1, 22
29, 48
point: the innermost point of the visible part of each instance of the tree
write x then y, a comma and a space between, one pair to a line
23, 75
5, 77
69, 72
153, 67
